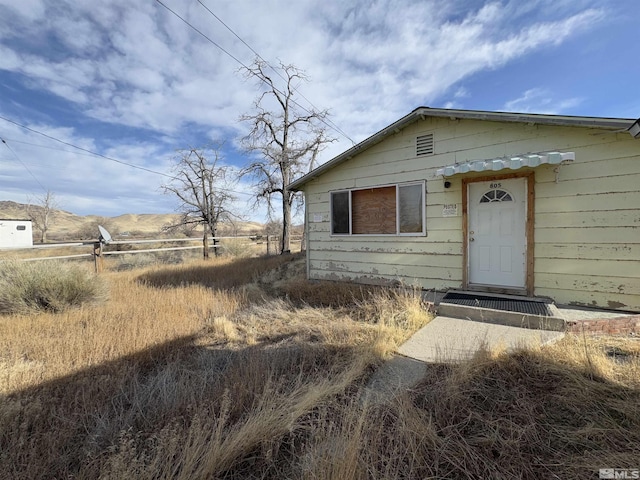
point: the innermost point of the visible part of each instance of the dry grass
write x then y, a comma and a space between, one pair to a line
243, 370
42, 347
218, 273
561, 411
50, 251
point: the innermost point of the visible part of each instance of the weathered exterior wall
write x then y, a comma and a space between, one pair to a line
587, 213
11, 237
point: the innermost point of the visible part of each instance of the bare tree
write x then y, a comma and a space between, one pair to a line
40, 212
286, 137
89, 229
188, 230
201, 184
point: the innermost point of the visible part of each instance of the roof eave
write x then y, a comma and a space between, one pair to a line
561, 120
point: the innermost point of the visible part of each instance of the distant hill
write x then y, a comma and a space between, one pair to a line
69, 226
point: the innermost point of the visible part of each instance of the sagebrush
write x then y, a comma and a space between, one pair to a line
27, 287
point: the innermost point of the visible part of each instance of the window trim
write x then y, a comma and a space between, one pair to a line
424, 210
331, 212
423, 233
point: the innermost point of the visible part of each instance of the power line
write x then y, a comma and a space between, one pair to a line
85, 149
335, 127
201, 33
91, 153
22, 142
247, 68
23, 164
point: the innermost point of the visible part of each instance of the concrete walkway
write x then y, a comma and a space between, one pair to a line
446, 340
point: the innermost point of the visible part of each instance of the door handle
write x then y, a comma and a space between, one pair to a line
471, 239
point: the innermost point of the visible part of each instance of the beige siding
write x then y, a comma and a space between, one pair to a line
587, 227
587, 213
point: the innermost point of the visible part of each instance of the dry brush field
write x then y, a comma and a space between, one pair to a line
242, 369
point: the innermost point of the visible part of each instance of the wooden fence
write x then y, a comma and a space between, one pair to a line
99, 250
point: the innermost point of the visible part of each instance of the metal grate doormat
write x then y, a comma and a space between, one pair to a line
530, 307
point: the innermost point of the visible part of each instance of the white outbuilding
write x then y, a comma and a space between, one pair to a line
15, 233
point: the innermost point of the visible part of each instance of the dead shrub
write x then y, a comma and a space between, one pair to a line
238, 247
27, 287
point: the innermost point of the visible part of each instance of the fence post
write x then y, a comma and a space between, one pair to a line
97, 257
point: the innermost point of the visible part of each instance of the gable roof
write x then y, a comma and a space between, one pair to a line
603, 123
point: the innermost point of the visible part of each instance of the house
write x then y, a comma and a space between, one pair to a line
512, 203
15, 233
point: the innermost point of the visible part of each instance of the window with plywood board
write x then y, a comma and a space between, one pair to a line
386, 210
373, 211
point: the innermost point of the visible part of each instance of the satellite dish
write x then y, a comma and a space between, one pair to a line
105, 237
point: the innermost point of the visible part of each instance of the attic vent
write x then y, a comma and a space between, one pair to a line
424, 144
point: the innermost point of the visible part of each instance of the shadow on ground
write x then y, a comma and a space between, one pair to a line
218, 274
128, 410
525, 415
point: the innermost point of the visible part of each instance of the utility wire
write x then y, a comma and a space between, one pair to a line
337, 129
111, 159
201, 33
85, 149
13, 140
334, 126
246, 67
23, 164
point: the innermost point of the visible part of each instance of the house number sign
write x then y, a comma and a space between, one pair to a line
450, 210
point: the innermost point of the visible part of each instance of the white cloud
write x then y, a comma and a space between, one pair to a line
409, 55
539, 100
134, 64
76, 176
157, 69
29, 9
461, 92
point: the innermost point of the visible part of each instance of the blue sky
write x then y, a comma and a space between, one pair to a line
130, 81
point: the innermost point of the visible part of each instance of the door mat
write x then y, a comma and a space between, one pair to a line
531, 307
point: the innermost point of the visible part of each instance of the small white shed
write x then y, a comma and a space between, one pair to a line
15, 233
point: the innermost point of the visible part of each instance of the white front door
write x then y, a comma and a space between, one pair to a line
497, 243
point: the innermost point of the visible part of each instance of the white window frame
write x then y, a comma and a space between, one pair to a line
397, 186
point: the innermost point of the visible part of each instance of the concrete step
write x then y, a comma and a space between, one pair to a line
552, 321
